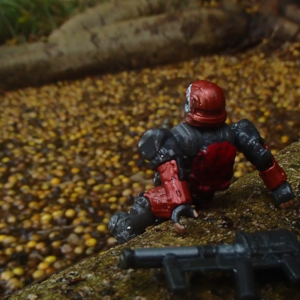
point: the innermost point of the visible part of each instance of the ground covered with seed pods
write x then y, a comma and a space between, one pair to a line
69, 156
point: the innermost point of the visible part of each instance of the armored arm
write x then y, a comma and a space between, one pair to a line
159, 146
251, 144
172, 198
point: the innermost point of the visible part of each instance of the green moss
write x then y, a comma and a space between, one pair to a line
25, 20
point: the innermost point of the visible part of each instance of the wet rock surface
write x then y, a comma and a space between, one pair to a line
248, 206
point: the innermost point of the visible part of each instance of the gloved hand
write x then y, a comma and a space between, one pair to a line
182, 210
284, 196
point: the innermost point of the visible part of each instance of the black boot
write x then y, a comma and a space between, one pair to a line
126, 226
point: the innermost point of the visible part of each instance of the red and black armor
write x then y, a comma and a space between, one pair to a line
171, 193
194, 159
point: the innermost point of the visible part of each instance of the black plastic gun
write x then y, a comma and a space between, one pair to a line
260, 250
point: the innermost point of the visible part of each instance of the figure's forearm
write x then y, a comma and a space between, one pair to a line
274, 176
249, 141
171, 193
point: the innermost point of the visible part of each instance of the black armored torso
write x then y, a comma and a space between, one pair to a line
205, 156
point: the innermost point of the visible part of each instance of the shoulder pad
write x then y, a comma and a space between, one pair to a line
249, 142
246, 132
152, 141
159, 146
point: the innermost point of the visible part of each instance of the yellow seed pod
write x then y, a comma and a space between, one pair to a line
20, 248
136, 185
112, 199
82, 213
46, 218
106, 220
38, 273
97, 188
61, 200
78, 250
106, 187
55, 181
50, 259
102, 228
135, 169
45, 186
77, 221
43, 265
91, 242
75, 170
70, 213
80, 183
59, 173
27, 224
35, 237
12, 179
57, 214
91, 181
15, 284
18, 271
78, 229
113, 206
9, 251
131, 163
126, 180
40, 246
77, 189
73, 197
122, 200
2, 237
274, 151
56, 244
149, 172
284, 139
238, 174
149, 186
33, 205
31, 244
6, 275
87, 236
116, 182
9, 240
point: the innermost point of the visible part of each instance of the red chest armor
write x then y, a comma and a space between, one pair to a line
212, 168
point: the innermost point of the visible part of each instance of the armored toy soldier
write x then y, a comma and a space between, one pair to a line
195, 159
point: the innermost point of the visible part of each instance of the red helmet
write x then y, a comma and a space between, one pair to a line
205, 104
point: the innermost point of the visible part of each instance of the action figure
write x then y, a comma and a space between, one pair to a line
194, 160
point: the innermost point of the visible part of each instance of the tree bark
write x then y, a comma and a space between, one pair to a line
122, 42
127, 34
117, 11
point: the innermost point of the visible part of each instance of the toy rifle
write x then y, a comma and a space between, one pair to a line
260, 250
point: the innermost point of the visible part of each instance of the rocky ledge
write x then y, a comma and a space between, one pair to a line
246, 205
